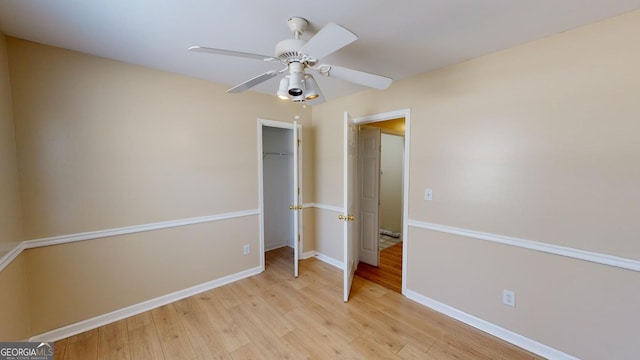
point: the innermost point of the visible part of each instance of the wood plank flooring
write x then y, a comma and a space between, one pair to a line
276, 316
389, 271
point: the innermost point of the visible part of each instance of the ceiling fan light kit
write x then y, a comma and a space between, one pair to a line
297, 55
312, 89
283, 89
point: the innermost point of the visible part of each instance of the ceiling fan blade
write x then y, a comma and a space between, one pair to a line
358, 77
208, 50
253, 82
330, 38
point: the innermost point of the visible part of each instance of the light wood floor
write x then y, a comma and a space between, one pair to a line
389, 271
275, 316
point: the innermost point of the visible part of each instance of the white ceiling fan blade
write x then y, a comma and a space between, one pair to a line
208, 50
330, 38
358, 77
253, 82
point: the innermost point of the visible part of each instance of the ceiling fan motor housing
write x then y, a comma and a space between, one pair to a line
288, 50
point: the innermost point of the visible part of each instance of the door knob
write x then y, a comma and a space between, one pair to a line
350, 218
291, 207
299, 207
341, 217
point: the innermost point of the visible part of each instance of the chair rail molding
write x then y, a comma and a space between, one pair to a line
599, 258
64, 239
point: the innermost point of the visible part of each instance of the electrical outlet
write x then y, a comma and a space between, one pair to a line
246, 249
509, 298
428, 194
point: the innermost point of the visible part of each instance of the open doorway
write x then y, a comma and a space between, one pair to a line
381, 163
279, 191
277, 170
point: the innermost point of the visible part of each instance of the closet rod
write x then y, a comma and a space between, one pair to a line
275, 153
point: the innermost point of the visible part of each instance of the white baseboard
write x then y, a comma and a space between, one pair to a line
273, 247
120, 314
308, 254
330, 260
325, 207
495, 330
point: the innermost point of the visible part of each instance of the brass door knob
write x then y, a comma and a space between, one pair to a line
350, 218
299, 207
291, 207
341, 217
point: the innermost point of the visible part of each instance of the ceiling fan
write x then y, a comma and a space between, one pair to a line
297, 56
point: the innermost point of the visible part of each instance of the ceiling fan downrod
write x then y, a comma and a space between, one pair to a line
297, 26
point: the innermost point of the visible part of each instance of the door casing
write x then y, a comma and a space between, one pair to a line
298, 238
406, 114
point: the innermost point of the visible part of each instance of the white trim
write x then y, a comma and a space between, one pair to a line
329, 260
347, 264
299, 152
275, 123
277, 246
406, 114
324, 207
132, 310
405, 197
13, 253
495, 330
308, 254
599, 258
261, 245
65, 239
297, 128
382, 116
56, 240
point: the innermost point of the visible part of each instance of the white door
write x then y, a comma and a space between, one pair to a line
297, 203
350, 225
369, 160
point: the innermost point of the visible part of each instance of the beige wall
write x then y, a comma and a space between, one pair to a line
14, 301
328, 161
10, 226
103, 144
14, 312
73, 282
391, 157
578, 307
536, 142
308, 230
329, 234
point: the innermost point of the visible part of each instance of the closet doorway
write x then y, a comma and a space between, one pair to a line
280, 199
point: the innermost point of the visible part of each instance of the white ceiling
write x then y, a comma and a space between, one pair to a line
398, 39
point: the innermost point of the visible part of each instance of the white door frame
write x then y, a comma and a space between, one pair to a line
282, 125
406, 114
